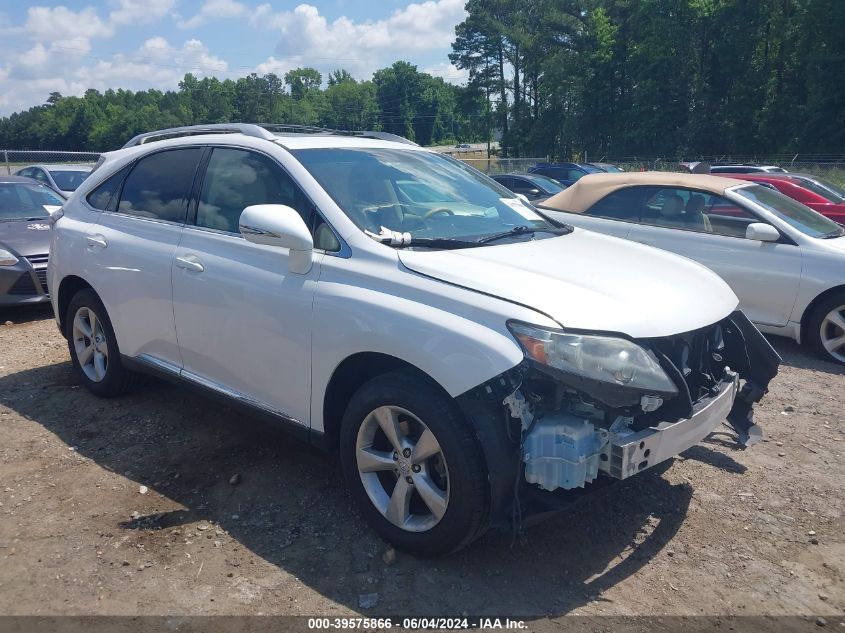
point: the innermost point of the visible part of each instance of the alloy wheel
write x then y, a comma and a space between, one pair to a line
832, 333
90, 345
402, 468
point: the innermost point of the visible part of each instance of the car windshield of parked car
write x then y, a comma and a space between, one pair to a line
24, 201
549, 184
825, 189
429, 195
792, 212
69, 180
590, 169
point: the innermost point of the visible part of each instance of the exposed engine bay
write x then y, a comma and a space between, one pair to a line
569, 430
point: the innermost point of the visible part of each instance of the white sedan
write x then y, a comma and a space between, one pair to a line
785, 262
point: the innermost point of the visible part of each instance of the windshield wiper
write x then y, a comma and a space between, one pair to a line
834, 233
521, 230
398, 239
439, 242
406, 240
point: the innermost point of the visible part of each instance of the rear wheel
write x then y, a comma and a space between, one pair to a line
413, 465
826, 328
93, 346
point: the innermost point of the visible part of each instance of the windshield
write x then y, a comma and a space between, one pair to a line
69, 180
24, 201
590, 169
825, 189
792, 212
428, 195
549, 184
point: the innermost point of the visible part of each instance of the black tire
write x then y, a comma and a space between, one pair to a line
464, 519
117, 380
814, 327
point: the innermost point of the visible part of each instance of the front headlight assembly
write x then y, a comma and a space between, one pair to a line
7, 258
607, 359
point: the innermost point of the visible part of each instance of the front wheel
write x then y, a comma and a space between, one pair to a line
826, 328
413, 465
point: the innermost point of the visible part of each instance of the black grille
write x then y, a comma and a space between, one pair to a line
24, 286
38, 263
699, 356
42, 278
696, 362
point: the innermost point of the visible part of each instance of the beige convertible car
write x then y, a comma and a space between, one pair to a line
785, 262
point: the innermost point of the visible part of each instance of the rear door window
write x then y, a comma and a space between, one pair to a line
104, 196
690, 210
159, 185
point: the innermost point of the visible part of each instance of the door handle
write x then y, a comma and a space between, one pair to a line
96, 240
190, 262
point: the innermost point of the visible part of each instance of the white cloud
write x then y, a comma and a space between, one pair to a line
214, 9
47, 23
155, 64
279, 67
139, 11
361, 47
56, 51
448, 72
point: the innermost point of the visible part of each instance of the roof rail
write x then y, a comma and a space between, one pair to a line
267, 131
291, 128
248, 129
384, 136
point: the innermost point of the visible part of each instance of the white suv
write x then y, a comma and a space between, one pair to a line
468, 359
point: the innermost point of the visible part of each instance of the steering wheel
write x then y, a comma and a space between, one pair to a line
437, 210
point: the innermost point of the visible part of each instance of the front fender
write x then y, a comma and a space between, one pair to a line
457, 337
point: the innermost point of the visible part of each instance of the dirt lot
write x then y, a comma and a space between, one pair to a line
721, 531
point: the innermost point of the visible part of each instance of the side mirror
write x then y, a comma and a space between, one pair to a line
281, 226
762, 232
55, 211
533, 192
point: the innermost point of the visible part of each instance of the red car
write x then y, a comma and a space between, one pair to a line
820, 195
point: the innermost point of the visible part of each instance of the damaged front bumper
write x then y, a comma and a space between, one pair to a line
563, 433
632, 452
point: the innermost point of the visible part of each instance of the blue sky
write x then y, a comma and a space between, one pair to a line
69, 46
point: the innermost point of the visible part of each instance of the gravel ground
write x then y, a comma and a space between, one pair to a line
129, 506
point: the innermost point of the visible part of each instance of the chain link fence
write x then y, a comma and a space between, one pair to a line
497, 165
828, 166
13, 160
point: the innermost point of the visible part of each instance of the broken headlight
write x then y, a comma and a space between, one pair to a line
607, 359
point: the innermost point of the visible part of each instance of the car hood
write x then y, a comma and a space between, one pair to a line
26, 238
835, 244
588, 281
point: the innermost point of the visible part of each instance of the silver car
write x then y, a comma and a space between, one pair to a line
64, 178
25, 208
785, 262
